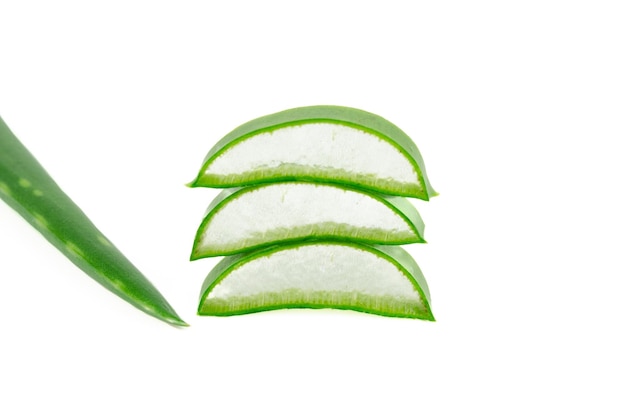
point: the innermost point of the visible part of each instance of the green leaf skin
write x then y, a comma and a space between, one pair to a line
331, 231
291, 298
351, 117
27, 188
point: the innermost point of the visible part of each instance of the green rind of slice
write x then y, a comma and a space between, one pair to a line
378, 280
243, 219
418, 186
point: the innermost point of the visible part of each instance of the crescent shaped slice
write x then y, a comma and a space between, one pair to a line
341, 275
252, 217
322, 143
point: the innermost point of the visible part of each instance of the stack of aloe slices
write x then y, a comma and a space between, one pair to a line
314, 208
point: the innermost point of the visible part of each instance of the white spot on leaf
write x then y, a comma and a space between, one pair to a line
104, 241
40, 220
5, 189
73, 249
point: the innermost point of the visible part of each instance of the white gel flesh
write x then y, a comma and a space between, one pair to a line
323, 268
316, 148
296, 210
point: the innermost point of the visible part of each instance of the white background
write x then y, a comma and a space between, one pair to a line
518, 109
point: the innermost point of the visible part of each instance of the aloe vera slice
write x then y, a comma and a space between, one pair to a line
382, 280
29, 190
323, 143
252, 217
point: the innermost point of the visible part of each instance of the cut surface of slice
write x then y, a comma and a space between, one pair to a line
252, 217
323, 143
341, 275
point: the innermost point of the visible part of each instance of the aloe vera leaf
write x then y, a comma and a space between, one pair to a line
252, 217
324, 143
320, 274
28, 189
